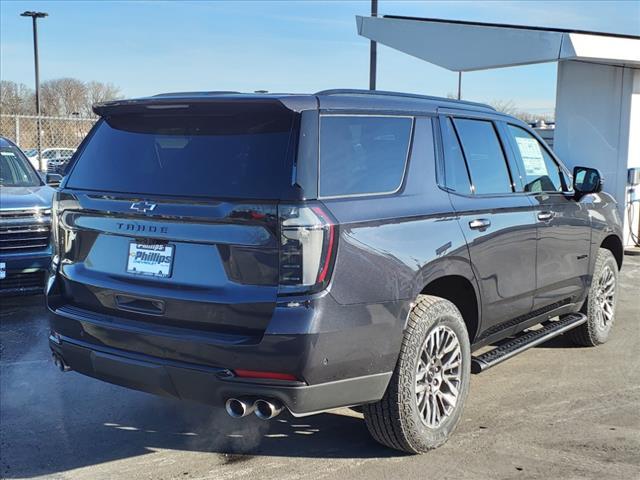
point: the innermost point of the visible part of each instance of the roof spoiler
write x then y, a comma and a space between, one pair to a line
183, 103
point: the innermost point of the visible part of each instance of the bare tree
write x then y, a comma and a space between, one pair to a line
63, 97
59, 97
509, 107
99, 92
16, 98
504, 106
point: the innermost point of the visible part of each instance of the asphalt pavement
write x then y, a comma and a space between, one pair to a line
555, 411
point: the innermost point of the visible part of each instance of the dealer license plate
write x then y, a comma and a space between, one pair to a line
152, 260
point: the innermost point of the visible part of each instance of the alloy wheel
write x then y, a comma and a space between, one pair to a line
605, 297
438, 376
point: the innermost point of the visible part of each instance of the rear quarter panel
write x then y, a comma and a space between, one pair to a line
392, 246
605, 221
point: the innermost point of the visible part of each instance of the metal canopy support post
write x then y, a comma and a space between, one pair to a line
373, 53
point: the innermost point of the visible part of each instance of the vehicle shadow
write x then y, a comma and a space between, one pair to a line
85, 432
53, 422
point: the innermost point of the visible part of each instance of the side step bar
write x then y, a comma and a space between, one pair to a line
525, 341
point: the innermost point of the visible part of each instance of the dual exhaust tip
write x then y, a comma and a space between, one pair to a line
264, 409
59, 362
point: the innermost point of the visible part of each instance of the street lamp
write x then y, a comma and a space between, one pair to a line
34, 17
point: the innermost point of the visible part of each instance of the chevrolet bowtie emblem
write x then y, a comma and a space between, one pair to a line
143, 207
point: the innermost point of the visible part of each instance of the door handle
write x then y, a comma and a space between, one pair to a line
544, 216
480, 224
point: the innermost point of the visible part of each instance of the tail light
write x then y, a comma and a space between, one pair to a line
308, 242
55, 223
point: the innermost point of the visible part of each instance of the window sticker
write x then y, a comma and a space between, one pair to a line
532, 158
7, 154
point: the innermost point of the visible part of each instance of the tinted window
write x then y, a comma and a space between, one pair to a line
242, 154
15, 170
482, 150
455, 170
360, 155
540, 171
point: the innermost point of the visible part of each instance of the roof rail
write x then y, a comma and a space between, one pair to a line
184, 94
355, 91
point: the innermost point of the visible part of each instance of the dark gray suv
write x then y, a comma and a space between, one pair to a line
306, 252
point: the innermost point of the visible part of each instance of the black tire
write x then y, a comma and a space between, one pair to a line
594, 331
395, 421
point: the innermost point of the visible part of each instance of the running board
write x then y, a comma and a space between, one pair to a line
525, 341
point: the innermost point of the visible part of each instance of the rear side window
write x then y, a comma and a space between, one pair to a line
238, 153
541, 172
485, 159
362, 154
455, 170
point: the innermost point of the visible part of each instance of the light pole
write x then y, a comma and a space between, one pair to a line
34, 17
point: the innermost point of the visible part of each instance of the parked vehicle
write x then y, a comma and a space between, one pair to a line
55, 158
25, 219
32, 155
309, 252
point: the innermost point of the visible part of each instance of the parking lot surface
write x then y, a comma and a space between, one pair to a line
555, 411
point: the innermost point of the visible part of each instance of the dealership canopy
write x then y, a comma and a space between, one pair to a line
598, 85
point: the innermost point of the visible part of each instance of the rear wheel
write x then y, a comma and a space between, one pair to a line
600, 306
425, 397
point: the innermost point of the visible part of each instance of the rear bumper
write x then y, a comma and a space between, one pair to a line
211, 385
343, 355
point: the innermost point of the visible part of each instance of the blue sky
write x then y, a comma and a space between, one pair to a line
302, 46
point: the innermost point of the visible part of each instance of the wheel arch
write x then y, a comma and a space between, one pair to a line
460, 289
614, 245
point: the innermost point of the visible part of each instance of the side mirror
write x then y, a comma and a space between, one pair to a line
586, 180
53, 179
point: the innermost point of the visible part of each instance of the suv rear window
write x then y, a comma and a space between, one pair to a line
455, 170
362, 154
239, 153
485, 160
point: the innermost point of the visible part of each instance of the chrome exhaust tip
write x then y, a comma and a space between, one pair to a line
268, 409
238, 407
59, 363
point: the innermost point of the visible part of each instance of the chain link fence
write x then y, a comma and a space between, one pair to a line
56, 132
